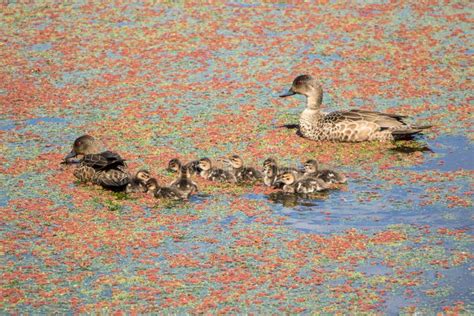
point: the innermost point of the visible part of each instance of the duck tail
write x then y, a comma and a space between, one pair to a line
407, 134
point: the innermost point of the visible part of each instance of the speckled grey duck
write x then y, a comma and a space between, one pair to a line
214, 174
329, 176
162, 192
105, 168
174, 165
240, 172
138, 183
184, 184
346, 126
305, 185
272, 162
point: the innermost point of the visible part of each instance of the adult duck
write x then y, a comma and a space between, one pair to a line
346, 126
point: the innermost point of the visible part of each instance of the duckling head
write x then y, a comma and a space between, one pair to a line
286, 178
83, 145
311, 166
205, 164
143, 176
269, 162
151, 185
234, 161
174, 165
270, 170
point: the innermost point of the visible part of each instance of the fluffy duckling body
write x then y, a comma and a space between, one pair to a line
162, 192
138, 183
106, 168
303, 186
174, 165
346, 126
184, 184
214, 174
329, 176
240, 172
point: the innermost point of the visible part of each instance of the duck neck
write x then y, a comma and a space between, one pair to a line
315, 98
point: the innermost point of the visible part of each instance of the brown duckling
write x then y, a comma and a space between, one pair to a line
270, 173
241, 173
162, 192
174, 165
329, 176
138, 183
106, 168
214, 174
184, 184
305, 185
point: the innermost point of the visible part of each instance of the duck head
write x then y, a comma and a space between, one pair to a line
269, 162
205, 164
270, 170
286, 178
311, 166
143, 176
152, 186
174, 165
83, 145
309, 87
234, 161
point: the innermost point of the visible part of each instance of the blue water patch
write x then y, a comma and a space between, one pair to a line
46, 120
6, 125
112, 55
327, 58
456, 152
41, 47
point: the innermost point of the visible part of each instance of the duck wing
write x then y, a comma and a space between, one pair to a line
104, 161
384, 120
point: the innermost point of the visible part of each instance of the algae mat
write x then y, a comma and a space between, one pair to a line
157, 81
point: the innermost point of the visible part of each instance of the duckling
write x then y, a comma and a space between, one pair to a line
174, 165
346, 126
138, 183
162, 192
241, 173
328, 176
270, 173
184, 184
272, 162
304, 185
214, 174
106, 168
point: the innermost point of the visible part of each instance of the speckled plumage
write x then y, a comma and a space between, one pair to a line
106, 168
346, 126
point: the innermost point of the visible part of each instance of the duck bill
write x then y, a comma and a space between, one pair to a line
71, 155
289, 93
